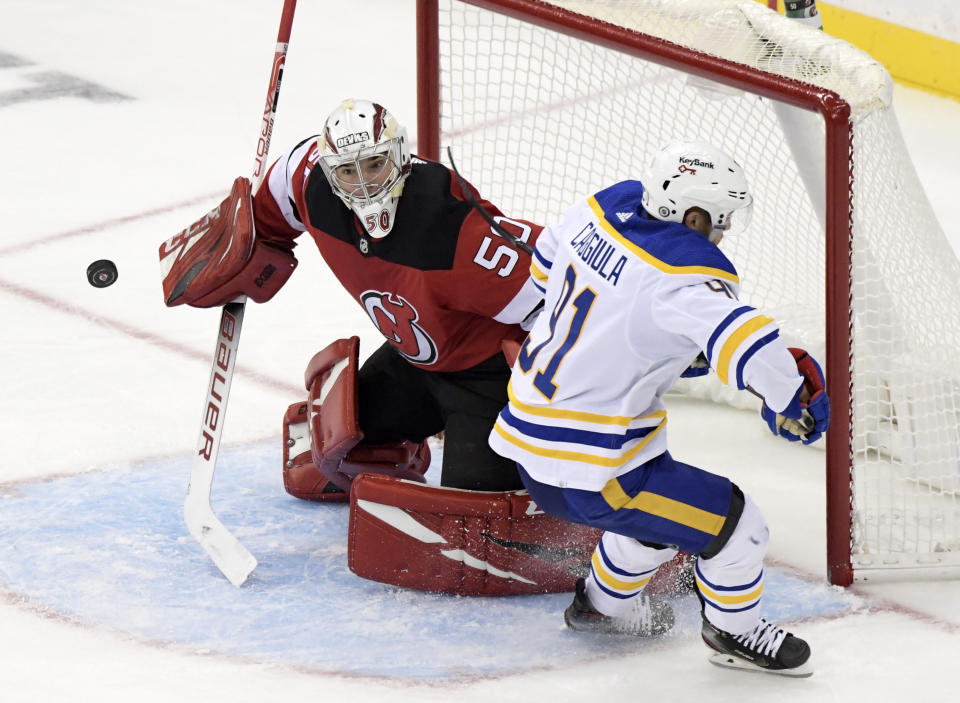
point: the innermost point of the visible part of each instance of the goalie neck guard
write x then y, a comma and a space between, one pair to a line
365, 155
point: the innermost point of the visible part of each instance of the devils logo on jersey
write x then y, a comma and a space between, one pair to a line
397, 321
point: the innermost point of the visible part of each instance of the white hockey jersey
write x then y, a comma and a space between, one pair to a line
629, 303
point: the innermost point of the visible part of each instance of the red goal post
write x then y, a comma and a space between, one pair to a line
545, 101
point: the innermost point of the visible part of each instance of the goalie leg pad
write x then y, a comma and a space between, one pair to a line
474, 543
403, 459
673, 578
302, 479
322, 450
331, 380
300, 476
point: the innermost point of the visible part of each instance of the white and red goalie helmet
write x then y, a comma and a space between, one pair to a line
688, 174
365, 155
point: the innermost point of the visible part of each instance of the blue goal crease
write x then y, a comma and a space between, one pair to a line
111, 548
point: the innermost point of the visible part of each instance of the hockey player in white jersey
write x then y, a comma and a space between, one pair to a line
636, 292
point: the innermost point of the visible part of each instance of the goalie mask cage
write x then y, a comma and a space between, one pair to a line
543, 102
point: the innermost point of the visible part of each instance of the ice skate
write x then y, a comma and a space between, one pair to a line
650, 616
766, 648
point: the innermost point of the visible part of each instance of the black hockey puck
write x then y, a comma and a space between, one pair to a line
102, 273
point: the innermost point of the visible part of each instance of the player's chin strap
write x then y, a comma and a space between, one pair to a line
497, 228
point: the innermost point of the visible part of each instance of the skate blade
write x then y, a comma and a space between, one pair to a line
729, 661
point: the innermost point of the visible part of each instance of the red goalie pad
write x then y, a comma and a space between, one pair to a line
321, 450
300, 476
217, 258
474, 543
331, 379
302, 479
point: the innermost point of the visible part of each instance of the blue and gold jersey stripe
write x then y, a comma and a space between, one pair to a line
541, 261
539, 269
663, 507
568, 435
736, 338
747, 355
581, 416
729, 599
538, 276
582, 457
740, 325
722, 327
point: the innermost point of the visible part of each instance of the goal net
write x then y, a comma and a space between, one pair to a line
543, 102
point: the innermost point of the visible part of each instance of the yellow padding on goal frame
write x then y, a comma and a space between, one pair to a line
913, 58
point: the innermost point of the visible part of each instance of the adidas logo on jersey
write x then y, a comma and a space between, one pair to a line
624, 216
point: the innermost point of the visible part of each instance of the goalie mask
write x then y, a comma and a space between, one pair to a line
688, 175
365, 155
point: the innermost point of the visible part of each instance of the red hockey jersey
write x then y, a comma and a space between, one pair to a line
442, 287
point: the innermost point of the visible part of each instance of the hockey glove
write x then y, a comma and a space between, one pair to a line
218, 258
698, 367
807, 416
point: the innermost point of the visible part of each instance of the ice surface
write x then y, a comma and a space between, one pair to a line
121, 123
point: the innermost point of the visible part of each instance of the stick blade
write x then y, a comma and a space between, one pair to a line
233, 559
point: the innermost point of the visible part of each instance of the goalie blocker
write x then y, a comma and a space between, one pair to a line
405, 533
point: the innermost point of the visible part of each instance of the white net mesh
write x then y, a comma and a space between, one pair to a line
536, 118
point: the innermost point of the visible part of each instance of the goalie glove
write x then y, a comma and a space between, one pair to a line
218, 258
807, 416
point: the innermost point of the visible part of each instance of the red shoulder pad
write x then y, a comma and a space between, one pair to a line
474, 543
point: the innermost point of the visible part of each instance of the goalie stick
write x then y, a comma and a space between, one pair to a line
231, 557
